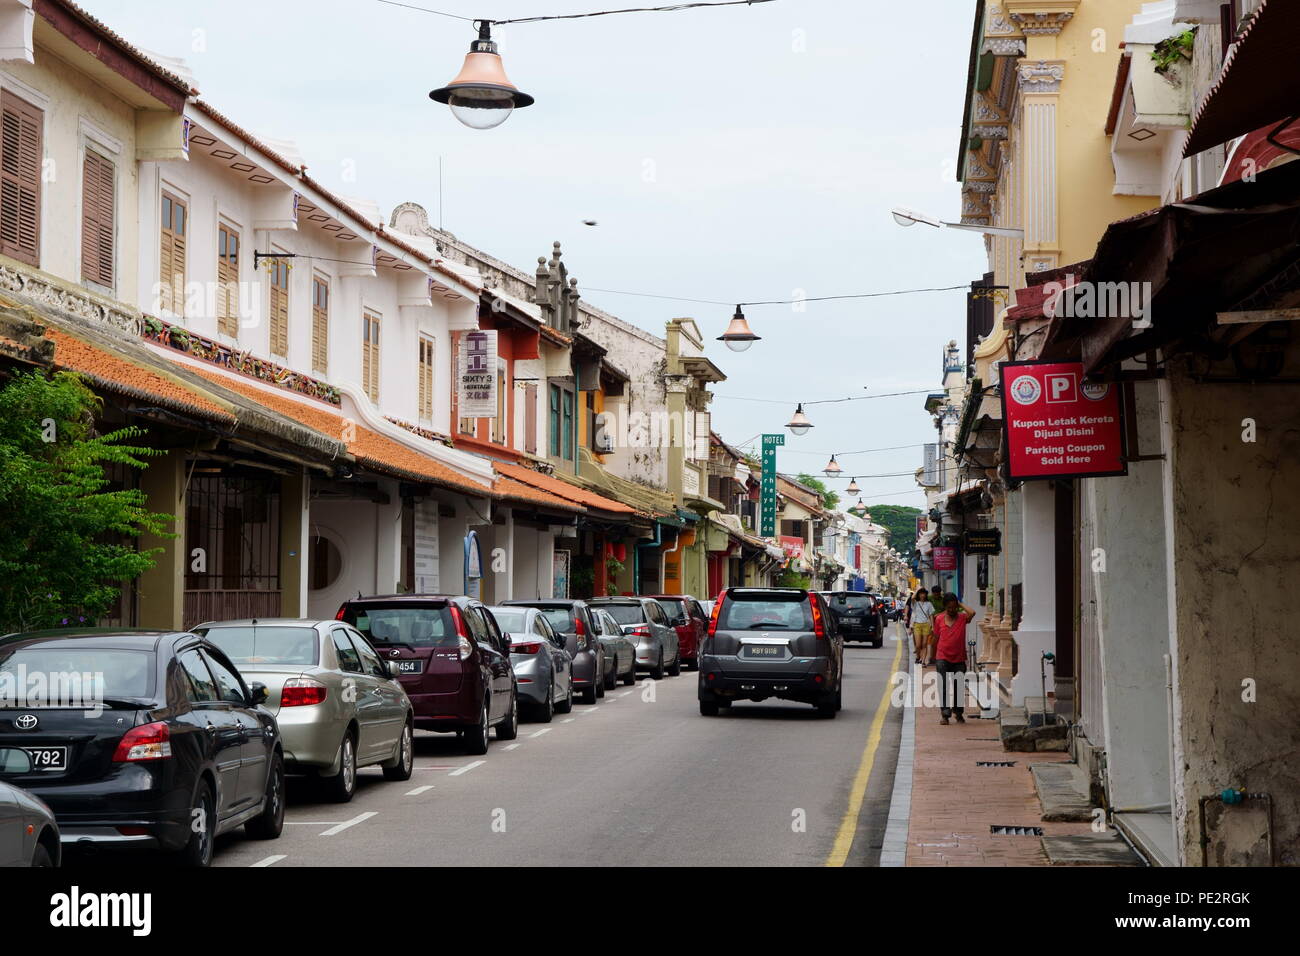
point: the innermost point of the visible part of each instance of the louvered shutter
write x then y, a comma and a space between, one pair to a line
530, 418
228, 282
320, 325
171, 256
280, 310
21, 128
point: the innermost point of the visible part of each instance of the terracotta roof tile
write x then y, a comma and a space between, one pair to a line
117, 374
510, 489
372, 449
563, 489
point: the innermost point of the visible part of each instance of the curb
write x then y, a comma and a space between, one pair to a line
893, 850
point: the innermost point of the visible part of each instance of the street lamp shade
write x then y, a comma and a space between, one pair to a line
832, 468
853, 488
910, 217
738, 336
799, 423
481, 96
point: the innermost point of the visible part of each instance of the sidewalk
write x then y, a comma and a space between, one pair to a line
954, 803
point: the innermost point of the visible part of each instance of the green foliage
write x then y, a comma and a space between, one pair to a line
613, 568
901, 522
1173, 50
65, 548
791, 578
829, 498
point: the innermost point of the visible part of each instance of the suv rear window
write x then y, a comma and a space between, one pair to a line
858, 601
410, 625
625, 613
561, 618
765, 610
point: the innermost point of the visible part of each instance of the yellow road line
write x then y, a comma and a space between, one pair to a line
858, 792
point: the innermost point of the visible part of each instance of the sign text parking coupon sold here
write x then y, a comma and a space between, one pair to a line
1059, 425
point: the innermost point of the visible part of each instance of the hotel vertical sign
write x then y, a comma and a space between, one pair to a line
767, 528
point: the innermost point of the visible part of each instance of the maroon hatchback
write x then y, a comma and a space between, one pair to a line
451, 659
690, 622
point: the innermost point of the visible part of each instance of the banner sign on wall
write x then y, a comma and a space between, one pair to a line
1058, 425
476, 379
944, 559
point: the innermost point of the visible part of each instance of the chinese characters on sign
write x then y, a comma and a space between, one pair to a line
1058, 425
767, 525
476, 382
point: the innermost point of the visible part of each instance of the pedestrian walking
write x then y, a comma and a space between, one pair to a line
950, 656
920, 615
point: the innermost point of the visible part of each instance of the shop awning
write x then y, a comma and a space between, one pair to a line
589, 500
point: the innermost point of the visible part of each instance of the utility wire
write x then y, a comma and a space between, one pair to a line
578, 16
824, 401
818, 298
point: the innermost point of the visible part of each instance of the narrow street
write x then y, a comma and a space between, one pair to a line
624, 782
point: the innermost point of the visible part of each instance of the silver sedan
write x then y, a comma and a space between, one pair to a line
338, 703
543, 667
620, 650
28, 834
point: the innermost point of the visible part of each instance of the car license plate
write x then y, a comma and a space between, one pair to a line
410, 667
48, 759
764, 650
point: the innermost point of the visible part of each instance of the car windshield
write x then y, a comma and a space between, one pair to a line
512, 620
71, 676
626, 613
410, 625
744, 612
267, 644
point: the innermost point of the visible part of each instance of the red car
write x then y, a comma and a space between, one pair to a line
690, 622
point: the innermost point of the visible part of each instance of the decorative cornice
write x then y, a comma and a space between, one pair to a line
996, 23
987, 131
80, 303
1043, 76
1004, 46
1041, 24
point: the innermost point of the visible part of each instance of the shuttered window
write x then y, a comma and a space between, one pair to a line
499, 430
530, 418
97, 228
426, 378
21, 151
172, 254
320, 324
279, 308
370, 355
227, 281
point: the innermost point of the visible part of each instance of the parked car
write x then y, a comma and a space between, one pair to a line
172, 750
644, 621
543, 668
451, 659
29, 836
619, 648
771, 642
686, 615
340, 706
572, 618
859, 616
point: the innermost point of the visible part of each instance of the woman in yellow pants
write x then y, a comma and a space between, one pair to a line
920, 616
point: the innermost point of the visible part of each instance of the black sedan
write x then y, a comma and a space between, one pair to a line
142, 739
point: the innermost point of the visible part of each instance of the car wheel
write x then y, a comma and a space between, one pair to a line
547, 710
589, 692
708, 708
611, 681
839, 698
567, 706
657, 673
724, 704
340, 787
508, 729
676, 669
826, 708
203, 820
404, 764
476, 737
41, 857
268, 824
630, 679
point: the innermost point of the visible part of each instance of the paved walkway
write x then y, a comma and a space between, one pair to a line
954, 802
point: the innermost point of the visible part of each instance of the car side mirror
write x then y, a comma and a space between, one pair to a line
13, 760
258, 694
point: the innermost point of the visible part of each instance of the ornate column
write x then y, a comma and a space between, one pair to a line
1040, 87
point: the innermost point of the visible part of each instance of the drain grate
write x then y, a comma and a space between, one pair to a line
995, 763
1015, 831
983, 738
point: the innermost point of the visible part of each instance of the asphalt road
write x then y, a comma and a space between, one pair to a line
638, 779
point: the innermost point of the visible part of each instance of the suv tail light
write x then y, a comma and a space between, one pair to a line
339, 615
819, 629
713, 618
466, 645
146, 742
579, 628
528, 647
302, 692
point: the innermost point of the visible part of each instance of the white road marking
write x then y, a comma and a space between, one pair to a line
567, 720
339, 828
419, 790
544, 730
270, 860
511, 746
467, 768
625, 693
589, 710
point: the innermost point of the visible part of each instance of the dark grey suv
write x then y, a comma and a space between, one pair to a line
571, 619
771, 642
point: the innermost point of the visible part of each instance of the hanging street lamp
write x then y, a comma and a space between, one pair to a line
799, 424
738, 336
832, 468
853, 488
481, 96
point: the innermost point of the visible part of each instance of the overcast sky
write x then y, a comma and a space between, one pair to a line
733, 154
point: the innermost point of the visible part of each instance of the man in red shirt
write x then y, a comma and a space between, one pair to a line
950, 656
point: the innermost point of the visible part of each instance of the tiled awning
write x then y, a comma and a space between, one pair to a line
564, 490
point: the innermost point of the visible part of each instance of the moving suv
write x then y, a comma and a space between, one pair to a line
449, 656
771, 642
859, 615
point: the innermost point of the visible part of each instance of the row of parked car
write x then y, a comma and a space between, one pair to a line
184, 736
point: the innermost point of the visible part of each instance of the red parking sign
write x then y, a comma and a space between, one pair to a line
1058, 424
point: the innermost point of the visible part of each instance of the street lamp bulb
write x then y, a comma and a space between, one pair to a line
853, 488
832, 468
481, 96
738, 336
799, 424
